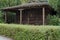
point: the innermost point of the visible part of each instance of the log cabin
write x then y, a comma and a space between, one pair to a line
30, 13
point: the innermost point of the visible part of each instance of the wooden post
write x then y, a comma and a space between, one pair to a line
5, 16
43, 16
20, 16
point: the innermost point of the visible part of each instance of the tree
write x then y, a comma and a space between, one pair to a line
58, 7
53, 3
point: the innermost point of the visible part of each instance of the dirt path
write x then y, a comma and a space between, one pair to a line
4, 38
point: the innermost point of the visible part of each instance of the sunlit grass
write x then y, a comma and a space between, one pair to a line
30, 27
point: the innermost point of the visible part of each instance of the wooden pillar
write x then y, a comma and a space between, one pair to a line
43, 11
5, 13
20, 16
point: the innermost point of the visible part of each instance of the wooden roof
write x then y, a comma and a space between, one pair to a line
26, 5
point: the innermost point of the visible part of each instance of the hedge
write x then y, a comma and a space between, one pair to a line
30, 32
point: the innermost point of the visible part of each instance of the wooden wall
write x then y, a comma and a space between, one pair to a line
32, 16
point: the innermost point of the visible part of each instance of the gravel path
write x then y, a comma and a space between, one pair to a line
4, 38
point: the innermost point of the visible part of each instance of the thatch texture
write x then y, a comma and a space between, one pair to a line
27, 5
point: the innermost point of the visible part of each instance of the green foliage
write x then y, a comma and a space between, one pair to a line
28, 32
56, 5
53, 3
24, 1
53, 20
7, 3
1, 17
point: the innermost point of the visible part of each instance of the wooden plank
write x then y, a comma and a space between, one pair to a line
43, 16
28, 18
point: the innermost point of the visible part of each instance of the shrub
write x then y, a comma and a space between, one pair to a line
53, 20
26, 32
1, 17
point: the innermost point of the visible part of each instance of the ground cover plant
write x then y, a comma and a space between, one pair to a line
30, 32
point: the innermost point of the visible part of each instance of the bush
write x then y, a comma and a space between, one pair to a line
53, 20
1, 17
26, 32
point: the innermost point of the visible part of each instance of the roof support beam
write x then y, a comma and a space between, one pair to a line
21, 15
43, 11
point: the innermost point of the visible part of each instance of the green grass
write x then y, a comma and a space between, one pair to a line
30, 32
30, 27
